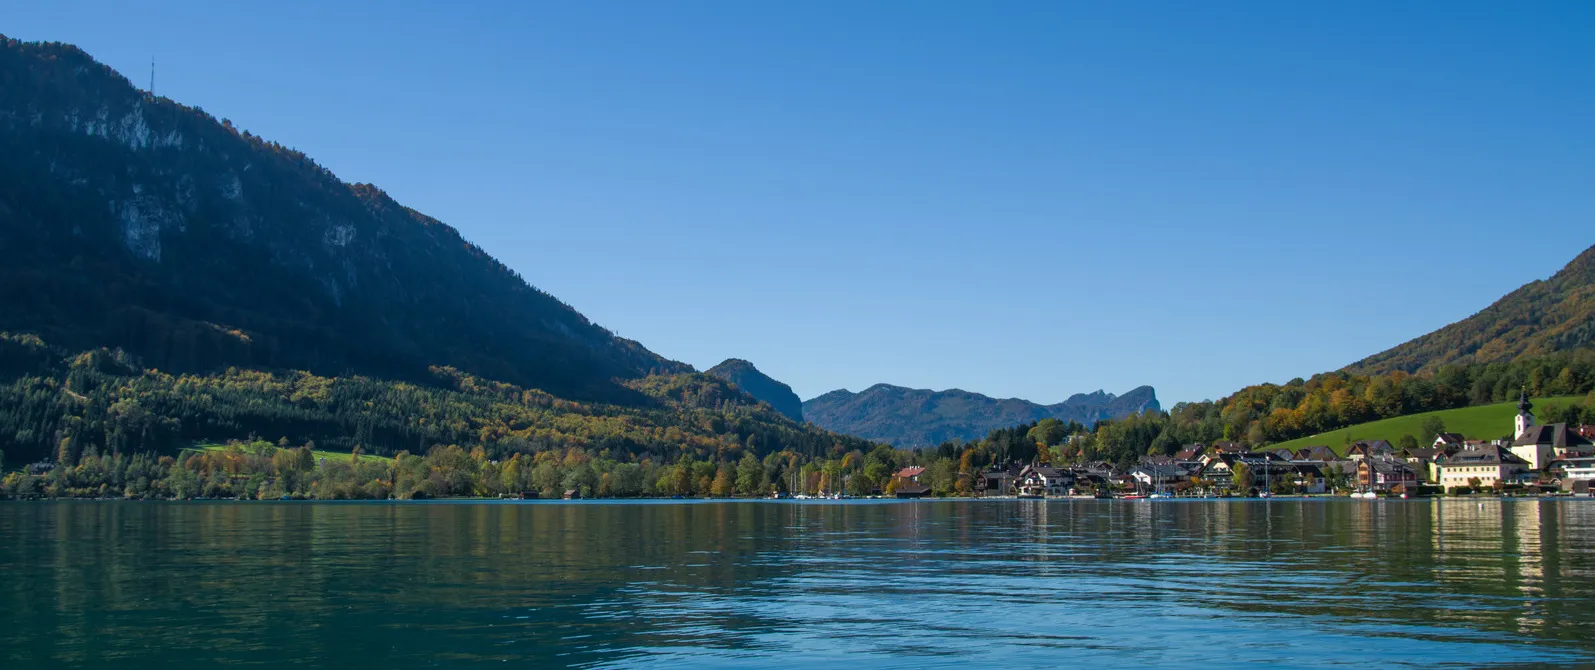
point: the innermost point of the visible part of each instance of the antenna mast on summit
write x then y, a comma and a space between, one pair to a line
152, 77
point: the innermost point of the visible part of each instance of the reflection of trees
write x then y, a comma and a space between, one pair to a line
385, 584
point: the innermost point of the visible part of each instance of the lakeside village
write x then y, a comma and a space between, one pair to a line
1550, 459
1555, 459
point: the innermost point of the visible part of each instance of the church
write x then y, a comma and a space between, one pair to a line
1539, 445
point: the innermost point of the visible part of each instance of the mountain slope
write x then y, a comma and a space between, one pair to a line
135, 222
1479, 422
760, 386
60, 403
1555, 314
920, 417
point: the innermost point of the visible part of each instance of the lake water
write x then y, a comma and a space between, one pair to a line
1002, 584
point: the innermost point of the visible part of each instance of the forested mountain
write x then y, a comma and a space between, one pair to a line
1542, 317
136, 222
56, 403
759, 385
921, 417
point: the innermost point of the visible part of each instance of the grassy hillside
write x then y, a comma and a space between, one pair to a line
1484, 422
318, 453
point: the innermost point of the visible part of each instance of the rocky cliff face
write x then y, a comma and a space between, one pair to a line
137, 222
760, 386
920, 417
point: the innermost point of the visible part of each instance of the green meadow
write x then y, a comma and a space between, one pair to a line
1484, 422
317, 453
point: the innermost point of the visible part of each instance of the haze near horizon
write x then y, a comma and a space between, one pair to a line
1028, 200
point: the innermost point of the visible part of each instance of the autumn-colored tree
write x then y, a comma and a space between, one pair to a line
724, 483
1242, 476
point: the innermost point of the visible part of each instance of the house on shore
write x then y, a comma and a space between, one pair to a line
1265, 468
997, 482
1309, 477
1422, 459
1053, 481
1153, 476
1488, 465
910, 489
1382, 474
905, 483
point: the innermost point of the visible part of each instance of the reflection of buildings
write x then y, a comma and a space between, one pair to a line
1524, 545
1501, 550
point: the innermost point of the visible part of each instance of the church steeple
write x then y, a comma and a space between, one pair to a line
1525, 415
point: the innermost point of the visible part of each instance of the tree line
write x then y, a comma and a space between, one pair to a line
111, 427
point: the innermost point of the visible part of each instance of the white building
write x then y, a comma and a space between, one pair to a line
1539, 445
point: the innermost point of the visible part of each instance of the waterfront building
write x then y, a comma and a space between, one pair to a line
1053, 481
1160, 476
1488, 465
1384, 473
996, 482
1539, 445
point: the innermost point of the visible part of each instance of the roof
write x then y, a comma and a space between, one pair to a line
911, 488
1387, 465
1342, 467
1484, 456
1555, 435
1252, 458
1575, 463
1450, 438
1309, 469
911, 471
1161, 470
1319, 453
1367, 446
1421, 453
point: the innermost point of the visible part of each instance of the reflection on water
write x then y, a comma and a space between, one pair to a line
1167, 583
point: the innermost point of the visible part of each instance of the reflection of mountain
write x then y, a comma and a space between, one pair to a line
775, 584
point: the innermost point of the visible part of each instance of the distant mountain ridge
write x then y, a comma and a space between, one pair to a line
907, 417
759, 385
1542, 317
132, 221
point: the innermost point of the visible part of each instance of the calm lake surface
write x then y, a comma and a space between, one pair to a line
1009, 584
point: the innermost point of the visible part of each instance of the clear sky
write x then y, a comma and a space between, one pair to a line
1020, 199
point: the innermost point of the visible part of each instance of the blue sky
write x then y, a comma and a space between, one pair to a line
1020, 199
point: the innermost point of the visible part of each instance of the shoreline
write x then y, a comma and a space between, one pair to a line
814, 501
